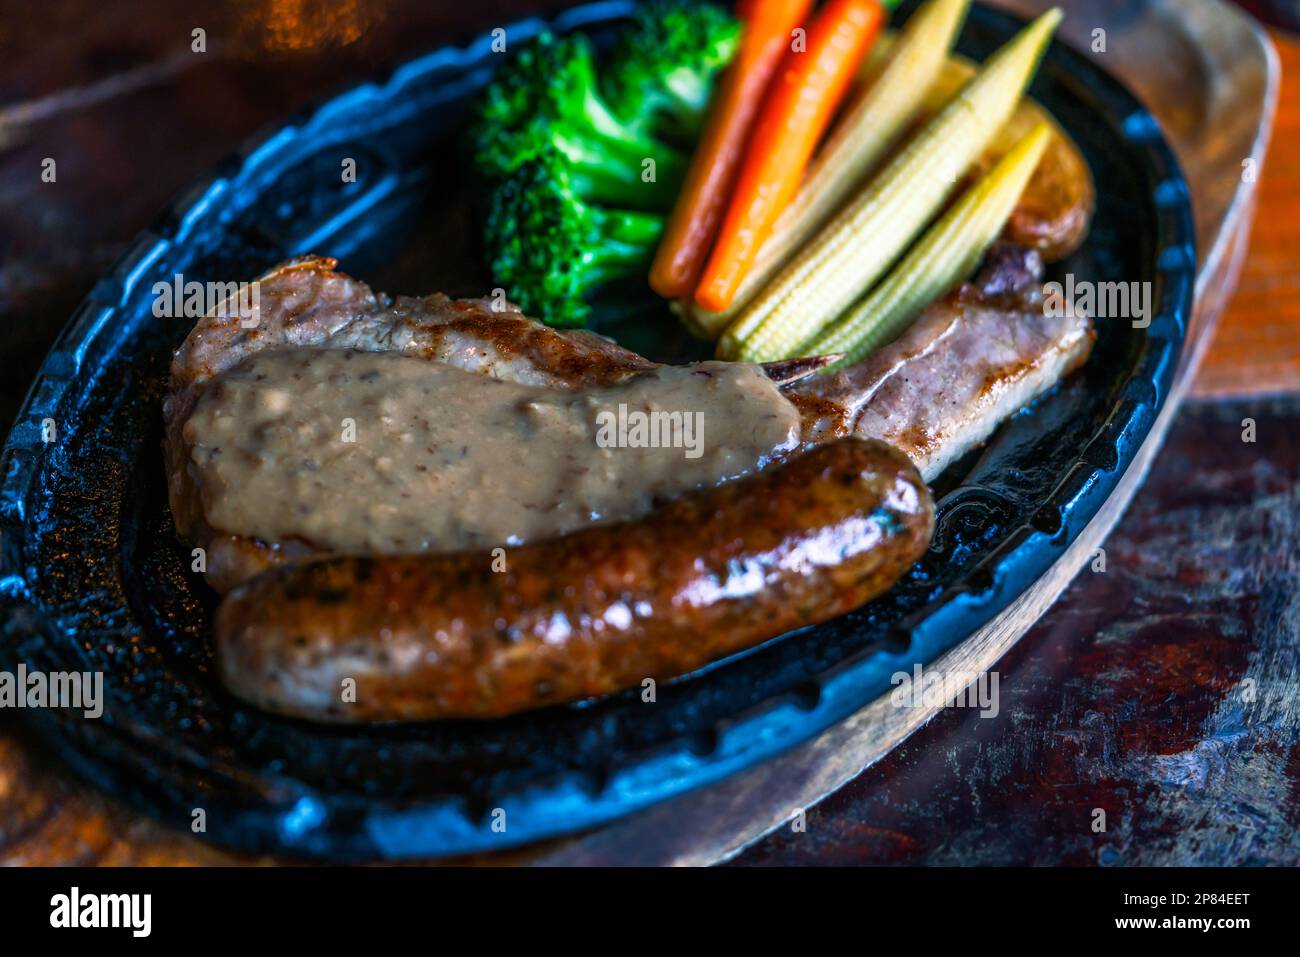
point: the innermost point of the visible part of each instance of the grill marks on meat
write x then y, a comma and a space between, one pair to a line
968, 363
305, 303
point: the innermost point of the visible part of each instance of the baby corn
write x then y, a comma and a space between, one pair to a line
860, 243
944, 256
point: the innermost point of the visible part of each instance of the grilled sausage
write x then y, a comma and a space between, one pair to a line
445, 636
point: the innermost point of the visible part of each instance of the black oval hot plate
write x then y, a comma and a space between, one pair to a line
93, 577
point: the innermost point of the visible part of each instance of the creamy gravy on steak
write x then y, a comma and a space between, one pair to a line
443, 459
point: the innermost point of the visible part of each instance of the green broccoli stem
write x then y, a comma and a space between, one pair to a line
589, 169
596, 184
627, 226
600, 177
611, 261
689, 91
626, 147
626, 245
604, 122
625, 160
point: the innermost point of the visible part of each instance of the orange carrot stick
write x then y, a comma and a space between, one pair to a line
805, 93
689, 232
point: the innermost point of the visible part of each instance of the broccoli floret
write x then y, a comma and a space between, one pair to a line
547, 98
550, 248
499, 151
662, 74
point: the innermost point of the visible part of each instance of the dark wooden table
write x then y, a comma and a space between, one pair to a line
1164, 691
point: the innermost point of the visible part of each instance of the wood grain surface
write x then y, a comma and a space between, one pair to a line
1163, 690
1127, 697
1256, 349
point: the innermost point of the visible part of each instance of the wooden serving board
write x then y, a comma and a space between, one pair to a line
1210, 76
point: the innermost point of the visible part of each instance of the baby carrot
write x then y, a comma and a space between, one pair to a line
799, 106
694, 221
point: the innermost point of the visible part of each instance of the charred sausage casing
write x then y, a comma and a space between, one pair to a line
596, 611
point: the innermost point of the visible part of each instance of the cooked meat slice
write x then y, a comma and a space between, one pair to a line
968, 363
306, 304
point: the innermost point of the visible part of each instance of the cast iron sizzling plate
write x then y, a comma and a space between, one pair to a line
93, 578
